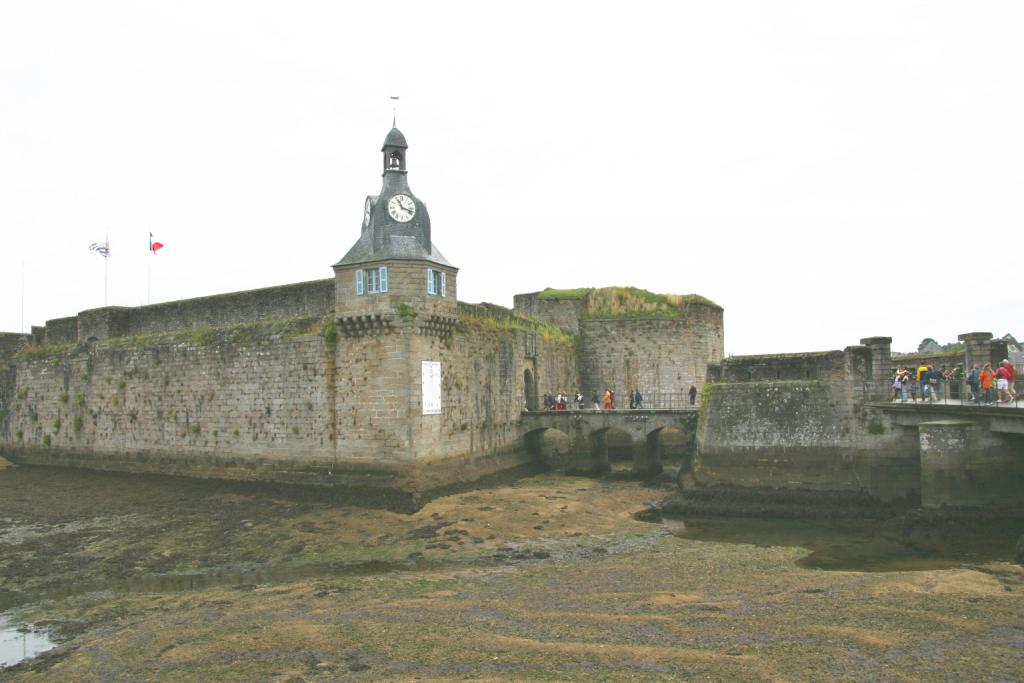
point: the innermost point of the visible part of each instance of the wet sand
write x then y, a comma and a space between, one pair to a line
550, 578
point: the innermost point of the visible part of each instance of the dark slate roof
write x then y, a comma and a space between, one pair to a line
401, 247
394, 139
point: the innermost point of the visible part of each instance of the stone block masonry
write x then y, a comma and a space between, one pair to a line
303, 299
287, 401
963, 464
657, 356
187, 403
826, 422
564, 313
801, 434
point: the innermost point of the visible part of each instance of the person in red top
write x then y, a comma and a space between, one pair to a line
1012, 377
986, 378
1002, 382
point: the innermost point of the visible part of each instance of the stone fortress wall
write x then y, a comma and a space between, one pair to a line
335, 382
561, 311
192, 402
824, 422
303, 299
661, 352
795, 421
234, 387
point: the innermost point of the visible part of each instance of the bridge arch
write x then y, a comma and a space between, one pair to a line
667, 442
548, 444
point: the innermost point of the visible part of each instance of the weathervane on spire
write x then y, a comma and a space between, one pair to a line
394, 111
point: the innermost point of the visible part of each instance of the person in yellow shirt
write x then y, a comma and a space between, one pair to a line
922, 382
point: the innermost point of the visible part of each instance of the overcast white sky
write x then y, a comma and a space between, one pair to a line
825, 171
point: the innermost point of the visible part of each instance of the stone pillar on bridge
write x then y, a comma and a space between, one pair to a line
881, 362
964, 465
647, 456
977, 349
599, 453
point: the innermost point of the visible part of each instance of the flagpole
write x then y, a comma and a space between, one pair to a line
106, 263
23, 296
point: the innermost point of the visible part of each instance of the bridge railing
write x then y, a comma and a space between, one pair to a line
944, 392
656, 400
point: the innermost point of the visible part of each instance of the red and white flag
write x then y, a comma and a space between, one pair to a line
154, 246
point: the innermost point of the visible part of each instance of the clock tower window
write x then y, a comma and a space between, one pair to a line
437, 282
372, 281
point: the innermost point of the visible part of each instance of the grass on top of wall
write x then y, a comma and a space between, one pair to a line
628, 302
551, 293
632, 302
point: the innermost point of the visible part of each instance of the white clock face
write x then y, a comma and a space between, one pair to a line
366, 211
402, 208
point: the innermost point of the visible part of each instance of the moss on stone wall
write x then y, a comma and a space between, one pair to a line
235, 334
491, 317
40, 351
199, 336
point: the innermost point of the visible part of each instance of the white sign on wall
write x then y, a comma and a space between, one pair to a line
431, 387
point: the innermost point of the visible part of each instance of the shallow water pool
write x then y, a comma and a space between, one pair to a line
18, 642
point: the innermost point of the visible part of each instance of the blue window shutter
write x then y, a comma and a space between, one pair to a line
383, 278
444, 284
359, 282
430, 281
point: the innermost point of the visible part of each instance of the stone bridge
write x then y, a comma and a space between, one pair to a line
970, 455
588, 433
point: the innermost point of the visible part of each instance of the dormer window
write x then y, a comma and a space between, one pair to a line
437, 282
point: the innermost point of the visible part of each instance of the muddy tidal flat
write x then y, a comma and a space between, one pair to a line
549, 578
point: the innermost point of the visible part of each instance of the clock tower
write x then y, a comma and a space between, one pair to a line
394, 261
395, 312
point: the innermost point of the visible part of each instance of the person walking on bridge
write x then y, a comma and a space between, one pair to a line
1011, 378
922, 381
987, 378
972, 382
934, 379
1003, 383
900, 384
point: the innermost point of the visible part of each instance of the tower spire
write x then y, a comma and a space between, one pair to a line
394, 111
